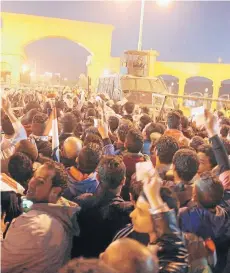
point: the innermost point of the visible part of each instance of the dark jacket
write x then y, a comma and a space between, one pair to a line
172, 254
129, 232
225, 203
63, 136
183, 193
130, 160
207, 224
220, 154
100, 218
198, 254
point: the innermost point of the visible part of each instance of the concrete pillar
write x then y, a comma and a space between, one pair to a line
96, 68
216, 89
15, 62
153, 54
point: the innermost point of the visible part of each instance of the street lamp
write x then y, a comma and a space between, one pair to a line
106, 72
162, 3
25, 68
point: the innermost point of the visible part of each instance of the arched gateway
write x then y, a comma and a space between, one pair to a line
19, 30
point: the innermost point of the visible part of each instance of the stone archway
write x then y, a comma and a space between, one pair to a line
172, 83
19, 30
225, 88
63, 58
199, 85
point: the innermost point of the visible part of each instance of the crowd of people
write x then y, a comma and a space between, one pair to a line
129, 195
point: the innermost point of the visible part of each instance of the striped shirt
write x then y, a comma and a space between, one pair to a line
123, 233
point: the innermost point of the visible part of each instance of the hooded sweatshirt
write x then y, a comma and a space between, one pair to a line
39, 241
78, 185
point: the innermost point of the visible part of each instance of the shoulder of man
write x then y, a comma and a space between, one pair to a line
31, 228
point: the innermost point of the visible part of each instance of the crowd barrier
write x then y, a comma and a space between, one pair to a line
163, 103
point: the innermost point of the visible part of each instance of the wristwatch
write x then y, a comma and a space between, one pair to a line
159, 209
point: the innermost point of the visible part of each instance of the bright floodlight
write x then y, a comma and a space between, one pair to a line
163, 3
25, 68
106, 72
65, 79
32, 74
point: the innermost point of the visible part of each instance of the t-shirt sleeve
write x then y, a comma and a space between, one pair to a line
20, 132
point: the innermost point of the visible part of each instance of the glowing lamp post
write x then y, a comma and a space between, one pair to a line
106, 72
25, 68
162, 3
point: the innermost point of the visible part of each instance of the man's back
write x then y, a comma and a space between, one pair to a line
38, 241
130, 160
99, 220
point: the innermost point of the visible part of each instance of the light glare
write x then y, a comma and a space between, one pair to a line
25, 68
106, 72
163, 3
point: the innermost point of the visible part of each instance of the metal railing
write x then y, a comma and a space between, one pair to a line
163, 103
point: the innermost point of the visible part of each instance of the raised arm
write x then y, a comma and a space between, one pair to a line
19, 130
172, 253
217, 145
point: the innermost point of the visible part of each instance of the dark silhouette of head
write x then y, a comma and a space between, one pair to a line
126, 255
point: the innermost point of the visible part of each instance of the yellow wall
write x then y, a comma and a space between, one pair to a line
185, 70
19, 30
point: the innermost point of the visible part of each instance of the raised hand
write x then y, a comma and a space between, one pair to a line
103, 129
6, 105
211, 123
151, 188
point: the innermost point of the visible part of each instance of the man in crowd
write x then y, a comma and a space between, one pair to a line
42, 141
207, 160
70, 151
40, 240
122, 132
208, 219
144, 120
82, 177
21, 168
128, 110
104, 213
87, 265
152, 216
195, 142
67, 127
164, 151
133, 143
127, 255
13, 132
174, 128
185, 167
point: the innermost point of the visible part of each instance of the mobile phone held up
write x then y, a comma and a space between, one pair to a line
26, 204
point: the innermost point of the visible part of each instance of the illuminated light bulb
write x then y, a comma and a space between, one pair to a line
163, 3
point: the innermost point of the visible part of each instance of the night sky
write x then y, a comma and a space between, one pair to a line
185, 31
